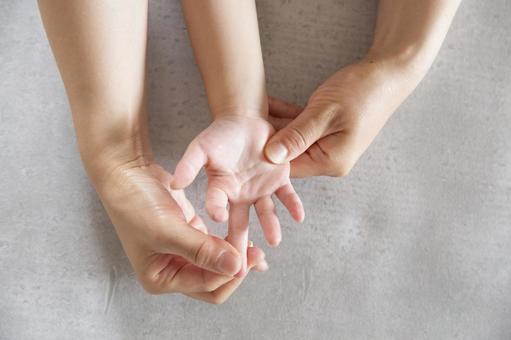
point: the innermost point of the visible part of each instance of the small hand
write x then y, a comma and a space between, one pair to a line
231, 149
166, 243
340, 121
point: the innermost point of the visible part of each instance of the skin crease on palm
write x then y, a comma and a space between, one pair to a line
231, 150
147, 234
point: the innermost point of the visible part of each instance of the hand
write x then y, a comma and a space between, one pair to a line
340, 121
231, 149
166, 243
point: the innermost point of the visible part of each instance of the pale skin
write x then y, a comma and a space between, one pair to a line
344, 115
100, 48
228, 52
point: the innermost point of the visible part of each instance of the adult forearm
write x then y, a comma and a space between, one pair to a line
409, 33
100, 48
225, 39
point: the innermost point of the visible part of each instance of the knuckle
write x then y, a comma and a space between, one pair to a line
267, 211
331, 111
335, 114
150, 286
265, 208
208, 285
340, 169
295, 139
217, 299
203, 254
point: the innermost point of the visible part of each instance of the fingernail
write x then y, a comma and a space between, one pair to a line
276, 152
264, 266
228, 263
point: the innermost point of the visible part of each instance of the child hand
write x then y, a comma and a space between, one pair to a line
231, 150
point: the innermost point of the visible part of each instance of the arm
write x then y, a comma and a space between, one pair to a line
225, 39
344, 115
100, 47
409, 34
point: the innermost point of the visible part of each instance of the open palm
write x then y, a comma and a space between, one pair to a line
231, 150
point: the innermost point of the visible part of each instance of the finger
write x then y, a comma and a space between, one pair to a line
282, 109
238, 232
265, 209
205, 251
183, 203
288, 196
294, 139
220, 295
261, 267
343, 153
189, 166
198, 224
178, 275
192, 279
216, 204
170, 274
304, 166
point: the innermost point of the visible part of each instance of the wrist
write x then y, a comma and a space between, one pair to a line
107, 148
406, 63
250, 111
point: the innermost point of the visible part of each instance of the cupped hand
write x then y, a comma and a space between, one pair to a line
340, 120
231, 150
165, 241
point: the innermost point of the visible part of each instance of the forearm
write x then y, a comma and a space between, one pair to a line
100, 48
409, 33
225, 39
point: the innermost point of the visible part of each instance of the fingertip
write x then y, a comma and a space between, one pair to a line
299, 216
274, 243
276, 152
220, 215
299, 210
273, 240
261, 267
255, 255
229, 263
179, 182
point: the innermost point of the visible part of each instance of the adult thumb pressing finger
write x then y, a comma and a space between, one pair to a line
294, 139
204, 251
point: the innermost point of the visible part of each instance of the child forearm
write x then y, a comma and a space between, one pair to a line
225, 39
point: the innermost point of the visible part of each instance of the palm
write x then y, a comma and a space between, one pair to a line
231, 150
145, 213
236, 164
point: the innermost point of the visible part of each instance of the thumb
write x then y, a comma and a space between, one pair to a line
205, 251
294, 139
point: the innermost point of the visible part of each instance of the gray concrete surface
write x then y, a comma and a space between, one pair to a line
414, 244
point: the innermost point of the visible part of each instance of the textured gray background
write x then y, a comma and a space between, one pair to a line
414, 244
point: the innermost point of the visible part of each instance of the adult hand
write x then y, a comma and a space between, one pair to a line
166, 243
101, 53
340, 120
345, 114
